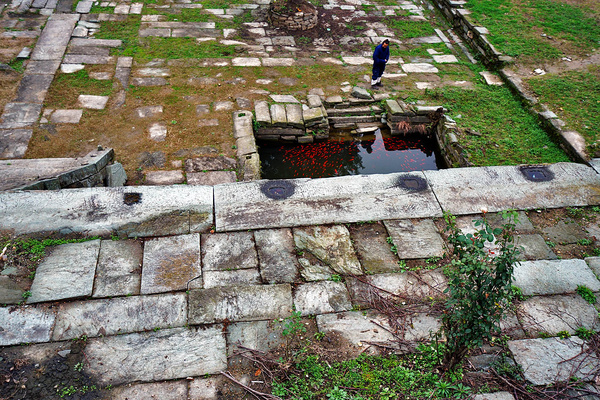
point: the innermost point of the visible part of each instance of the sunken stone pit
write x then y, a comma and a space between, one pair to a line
293, 15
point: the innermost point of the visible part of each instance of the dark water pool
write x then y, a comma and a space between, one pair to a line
377, 153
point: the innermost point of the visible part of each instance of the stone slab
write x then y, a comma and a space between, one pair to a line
66, 273
345, 199
96, 42
231, 278
119, 268
13, 144
163, 355
494, 396
594, 264
208, 163
170, 263
423, 68
277, 255
372, 248
19, 115
223, 105
278, 62
553, 360
10, 292
321, 298
211, 178
331, 245
66, 116
164, 177
245, 62
553, 314
415, 239
53, 41
25, 325
283, 98
228, 251
258, 335
491, 78
148, 111
534, 247
294, 115
71, 68
171, 390
565, 232
468, 190
240, 303
109, 317
422, 285
278, 115
42, 67
92, 102
132, 211
158, 131
205, 388
33, 88
358, 327
554, 276
148, 81
446, 58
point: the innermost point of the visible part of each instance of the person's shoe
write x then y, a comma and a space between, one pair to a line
378, 84
375, 87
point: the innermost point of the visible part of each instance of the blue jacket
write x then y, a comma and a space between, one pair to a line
381, 55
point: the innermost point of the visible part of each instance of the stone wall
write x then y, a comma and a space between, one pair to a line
95, 169
475, 36
247, 154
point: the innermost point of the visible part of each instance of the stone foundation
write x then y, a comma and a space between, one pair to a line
296, 21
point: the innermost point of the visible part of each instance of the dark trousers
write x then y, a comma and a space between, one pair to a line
378, 69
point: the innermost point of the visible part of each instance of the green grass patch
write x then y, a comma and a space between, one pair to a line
408, 28
81, 82
101, 10
575, 97
191, 15
372, 377
510, 135
221, 3
127, 32
516, 26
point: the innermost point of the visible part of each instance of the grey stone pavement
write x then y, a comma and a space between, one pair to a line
209, 268
202, 269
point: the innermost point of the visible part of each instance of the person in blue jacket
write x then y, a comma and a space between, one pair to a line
380, 57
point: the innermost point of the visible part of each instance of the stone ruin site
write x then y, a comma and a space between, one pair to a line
208, 200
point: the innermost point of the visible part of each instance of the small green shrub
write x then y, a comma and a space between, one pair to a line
563, 334
479, 286
584, 333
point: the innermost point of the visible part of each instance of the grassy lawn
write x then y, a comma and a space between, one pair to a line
509, 134
575, 97
516, 27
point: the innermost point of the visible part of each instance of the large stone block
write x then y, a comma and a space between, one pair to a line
120, 315
372, 248
415, 239
321, 298
67, 273
240, 303
332, 245
170, 263
228, 251
153, 356
554, 276
25, 325
277, 255
119, 268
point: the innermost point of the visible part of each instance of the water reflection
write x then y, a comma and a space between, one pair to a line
377, 153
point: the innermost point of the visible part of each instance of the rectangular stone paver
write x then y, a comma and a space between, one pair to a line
66, 273
321, 297
372, 248
66, 116
553, 314
277, 255
240, 303
247, 205
19, 115
554, 276
404, 285
132, 211
170, 262
92, 102
331, 245
170, 390
119, 268
228, 251
415, 239
25, 325
554, 360
468, 190
231, 278
153, 356
121, 315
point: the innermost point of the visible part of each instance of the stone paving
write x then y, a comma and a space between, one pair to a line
166, 310
207, 268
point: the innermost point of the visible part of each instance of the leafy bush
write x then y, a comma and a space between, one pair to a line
479, 285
